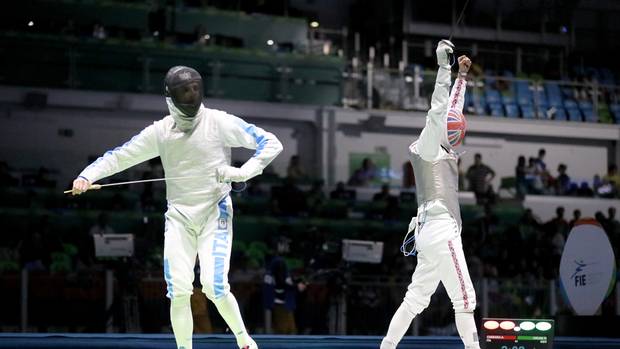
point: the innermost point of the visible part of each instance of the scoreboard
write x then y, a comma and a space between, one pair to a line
517, 333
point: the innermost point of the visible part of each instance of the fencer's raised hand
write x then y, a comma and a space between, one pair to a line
228, 174
464, 65
443, 51
80, 185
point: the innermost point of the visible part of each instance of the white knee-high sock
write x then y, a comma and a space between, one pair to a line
182, 321
229, 309
466, 325
398, 327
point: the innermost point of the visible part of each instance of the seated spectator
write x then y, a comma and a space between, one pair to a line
288, 199
383, 195
596, 183
533, 177
613, 176
607, 189
480, 176
363, 175
520, 178
391, 212
562, 182
585, 190
341, 193
102, 226
294, 169
315, 197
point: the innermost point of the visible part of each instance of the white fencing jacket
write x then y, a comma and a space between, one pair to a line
433, 159
203, 146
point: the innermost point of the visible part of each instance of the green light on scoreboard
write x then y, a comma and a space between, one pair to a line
540, 339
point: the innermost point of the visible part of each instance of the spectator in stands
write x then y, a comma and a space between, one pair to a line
597, 182
341, 193
408, 176
585, 190
487, 223
540, 160
288, 199
607, 189
562, 182
533, 177
384, 195
558, 223
613, 177
99, 31
480, 176
391, 212
294, 169
255, 188
520, 178
315, 197
102, 226
363, 175
279, 296
576, 217
558, 240
614, 229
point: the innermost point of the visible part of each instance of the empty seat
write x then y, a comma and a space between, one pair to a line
512, 111
574, 114
527, 112
495, 109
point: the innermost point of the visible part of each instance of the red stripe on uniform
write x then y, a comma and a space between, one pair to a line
457, 92
460, 275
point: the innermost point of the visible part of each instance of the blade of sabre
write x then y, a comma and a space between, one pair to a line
458, 21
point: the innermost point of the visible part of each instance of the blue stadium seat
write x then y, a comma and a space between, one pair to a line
527, 112
560, 114
570, 104
574, 114
512, 111
524, 95
492, 96
554, 95
614, 107
508, 99
589, 116
540, 97
495, 109
588, 111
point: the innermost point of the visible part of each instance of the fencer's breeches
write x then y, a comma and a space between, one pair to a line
211, 242
440, 258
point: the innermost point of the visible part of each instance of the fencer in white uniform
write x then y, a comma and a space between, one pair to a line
437, 227
194, 141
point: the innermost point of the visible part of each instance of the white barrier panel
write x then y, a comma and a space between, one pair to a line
587, 267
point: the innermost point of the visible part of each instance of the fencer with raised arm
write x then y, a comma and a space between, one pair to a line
437, 227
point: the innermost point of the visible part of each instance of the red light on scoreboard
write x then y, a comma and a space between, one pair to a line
507, 325
491, 325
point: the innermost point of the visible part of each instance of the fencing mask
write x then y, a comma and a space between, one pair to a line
184, 88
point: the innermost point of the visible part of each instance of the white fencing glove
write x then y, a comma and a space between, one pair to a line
228, 174
444, 49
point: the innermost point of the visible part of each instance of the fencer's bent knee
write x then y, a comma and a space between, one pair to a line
215, 292
180, 301
416, 302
